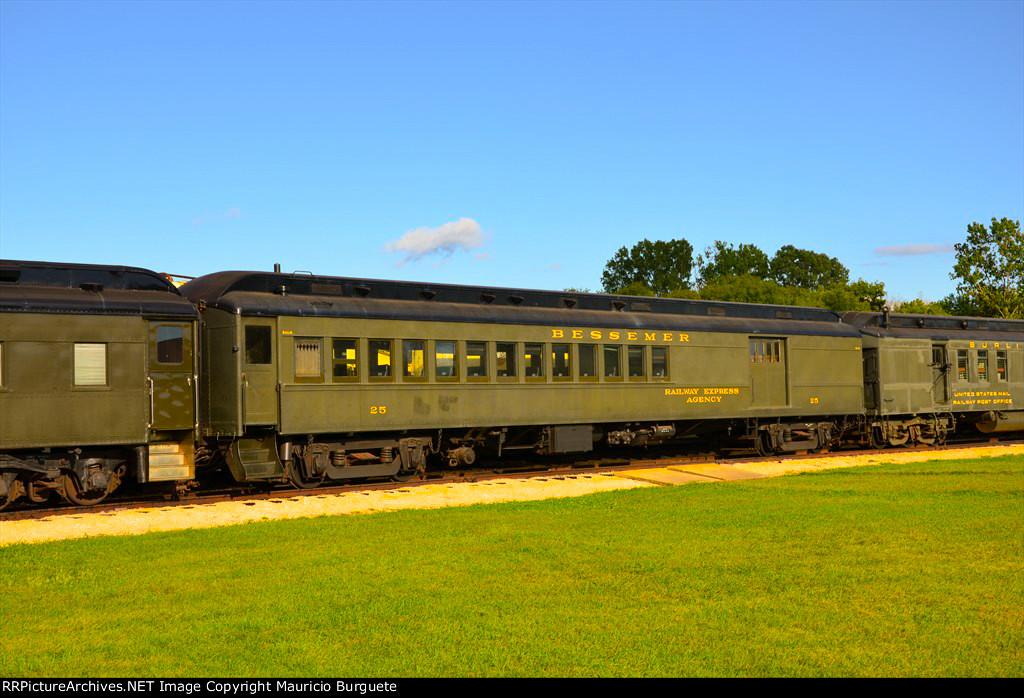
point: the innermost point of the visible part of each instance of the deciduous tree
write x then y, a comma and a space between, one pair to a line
660, 266
990, 269
722, 259
792, 266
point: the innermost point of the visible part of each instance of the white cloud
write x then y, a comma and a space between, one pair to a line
911, 250
463, 234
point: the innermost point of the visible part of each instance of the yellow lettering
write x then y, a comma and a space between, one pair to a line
684, 337
666, 336
577, 334
557, 334
613, 335
595, 334
631, 335
650, 336
972, 345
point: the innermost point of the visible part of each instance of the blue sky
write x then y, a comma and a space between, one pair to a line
513, 144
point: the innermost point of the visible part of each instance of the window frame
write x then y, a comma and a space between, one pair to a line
455, 377
424, 375
486, 348
667, 352
618, 377
75, 366
593, 348
335, 378
568, 358
631, 350
964, 356
543, 348
512, 377
263, 329
390, 376
313, 341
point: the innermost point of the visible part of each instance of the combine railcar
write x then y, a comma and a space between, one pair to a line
97, 380
315, 378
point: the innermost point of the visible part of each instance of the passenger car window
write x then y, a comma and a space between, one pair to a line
1001, 368
588, 360
659, 362
476, 359
561, 361
533, 357
344, 358
636, 362
414, 356
506, 360
983, 366
380, 358
612, 361
445, 364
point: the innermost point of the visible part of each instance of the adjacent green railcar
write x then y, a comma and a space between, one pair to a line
97, 380
924, 374
322, 377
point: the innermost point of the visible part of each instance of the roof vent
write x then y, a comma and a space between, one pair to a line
963, 324
487, 297
569, 302
91, 286
515, 300
716, 310
427, 295
362, 290
281, 290
618, 305
640, 307
920, 322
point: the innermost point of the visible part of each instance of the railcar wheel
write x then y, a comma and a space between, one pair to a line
38, 493
294, 473
10, 489
74, 494
900, 440
877, 440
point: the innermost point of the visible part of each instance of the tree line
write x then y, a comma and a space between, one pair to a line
989, 268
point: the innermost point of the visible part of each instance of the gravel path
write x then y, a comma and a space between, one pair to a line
165, 518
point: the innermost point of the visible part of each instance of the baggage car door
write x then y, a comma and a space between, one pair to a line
172, 400
768, 386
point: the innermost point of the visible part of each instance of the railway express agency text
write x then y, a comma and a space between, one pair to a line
212, 686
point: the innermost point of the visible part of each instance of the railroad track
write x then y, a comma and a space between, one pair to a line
128, 500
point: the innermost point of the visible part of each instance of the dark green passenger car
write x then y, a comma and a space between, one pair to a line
97, 380
329, 378
926, 374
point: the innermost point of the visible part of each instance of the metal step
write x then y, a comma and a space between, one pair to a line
255, 459
169, 460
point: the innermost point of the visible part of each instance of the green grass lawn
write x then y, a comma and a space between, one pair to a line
908, 570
